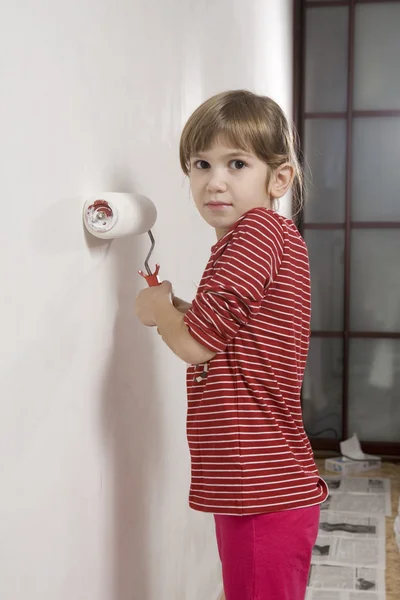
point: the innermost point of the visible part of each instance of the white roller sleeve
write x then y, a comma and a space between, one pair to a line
111, 215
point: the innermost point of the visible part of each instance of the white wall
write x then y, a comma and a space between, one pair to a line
93, 457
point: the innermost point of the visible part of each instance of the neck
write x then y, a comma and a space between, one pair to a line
220, 233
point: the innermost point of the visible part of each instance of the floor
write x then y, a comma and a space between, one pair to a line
392, 552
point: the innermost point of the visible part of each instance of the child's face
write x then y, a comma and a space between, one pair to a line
226, 183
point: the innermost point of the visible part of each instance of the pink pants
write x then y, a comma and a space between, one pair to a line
267, 556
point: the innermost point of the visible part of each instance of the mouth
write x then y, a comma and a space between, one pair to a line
218, 205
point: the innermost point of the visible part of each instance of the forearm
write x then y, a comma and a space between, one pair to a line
172, 328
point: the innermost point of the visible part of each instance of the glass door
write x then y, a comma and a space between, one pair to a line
347, 107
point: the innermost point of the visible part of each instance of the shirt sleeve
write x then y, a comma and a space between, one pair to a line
239, 280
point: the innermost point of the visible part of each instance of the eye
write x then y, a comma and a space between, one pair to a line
237, 164
201, 164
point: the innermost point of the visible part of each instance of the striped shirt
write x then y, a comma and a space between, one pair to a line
249, 451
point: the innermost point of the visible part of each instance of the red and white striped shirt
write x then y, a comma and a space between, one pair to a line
249, 451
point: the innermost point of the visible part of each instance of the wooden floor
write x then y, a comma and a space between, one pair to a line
392, 552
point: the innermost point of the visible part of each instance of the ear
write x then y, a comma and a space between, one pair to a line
281, 180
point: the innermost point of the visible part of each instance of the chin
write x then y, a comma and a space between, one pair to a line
221, 223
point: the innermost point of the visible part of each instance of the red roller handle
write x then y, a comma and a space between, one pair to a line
151, 278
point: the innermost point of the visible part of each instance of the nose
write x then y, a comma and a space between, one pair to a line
216, 182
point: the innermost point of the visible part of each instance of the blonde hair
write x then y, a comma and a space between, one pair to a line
247, 121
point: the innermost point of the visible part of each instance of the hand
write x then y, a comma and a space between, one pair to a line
148, 299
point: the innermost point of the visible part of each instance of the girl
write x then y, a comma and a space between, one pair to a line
246, 337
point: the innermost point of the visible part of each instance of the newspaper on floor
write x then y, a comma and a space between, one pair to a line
350, 540
367, 504
351, 579
358, 485
321, 595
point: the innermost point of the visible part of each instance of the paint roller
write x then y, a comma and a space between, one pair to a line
113, 215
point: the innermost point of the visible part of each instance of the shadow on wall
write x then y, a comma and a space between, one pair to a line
132, 429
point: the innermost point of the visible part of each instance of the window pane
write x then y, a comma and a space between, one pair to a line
322, 389
374, 407
375, 280
325, 154
326, 59
376, 173
326, 250
377, 52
